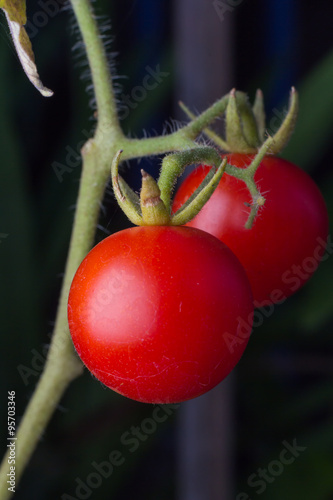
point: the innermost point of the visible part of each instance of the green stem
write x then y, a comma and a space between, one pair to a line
205, 119
63, 365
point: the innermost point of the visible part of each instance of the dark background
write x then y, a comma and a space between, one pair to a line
283, 386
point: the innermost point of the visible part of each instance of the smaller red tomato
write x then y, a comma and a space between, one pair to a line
287, 241
160, 314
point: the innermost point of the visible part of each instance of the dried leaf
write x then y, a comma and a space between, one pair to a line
15, 11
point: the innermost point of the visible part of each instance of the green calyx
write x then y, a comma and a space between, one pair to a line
245, 125
153, 206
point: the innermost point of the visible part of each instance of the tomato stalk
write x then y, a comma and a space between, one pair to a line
62, 365
174, 165
246, 125
241, 127
245, 133
153, 207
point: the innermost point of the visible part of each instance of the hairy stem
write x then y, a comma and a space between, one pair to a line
100, 71
63, 365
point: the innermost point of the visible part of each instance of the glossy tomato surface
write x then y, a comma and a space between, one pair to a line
287, 240
160, 314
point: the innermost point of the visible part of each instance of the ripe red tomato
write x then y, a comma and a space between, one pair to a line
287, 240
160, 314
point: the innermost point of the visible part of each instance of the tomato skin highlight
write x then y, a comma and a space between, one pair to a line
151, 312
287, 240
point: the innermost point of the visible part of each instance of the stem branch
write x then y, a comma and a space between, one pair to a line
63, 365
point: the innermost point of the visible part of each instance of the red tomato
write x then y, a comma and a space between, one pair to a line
287, 240
160, 314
